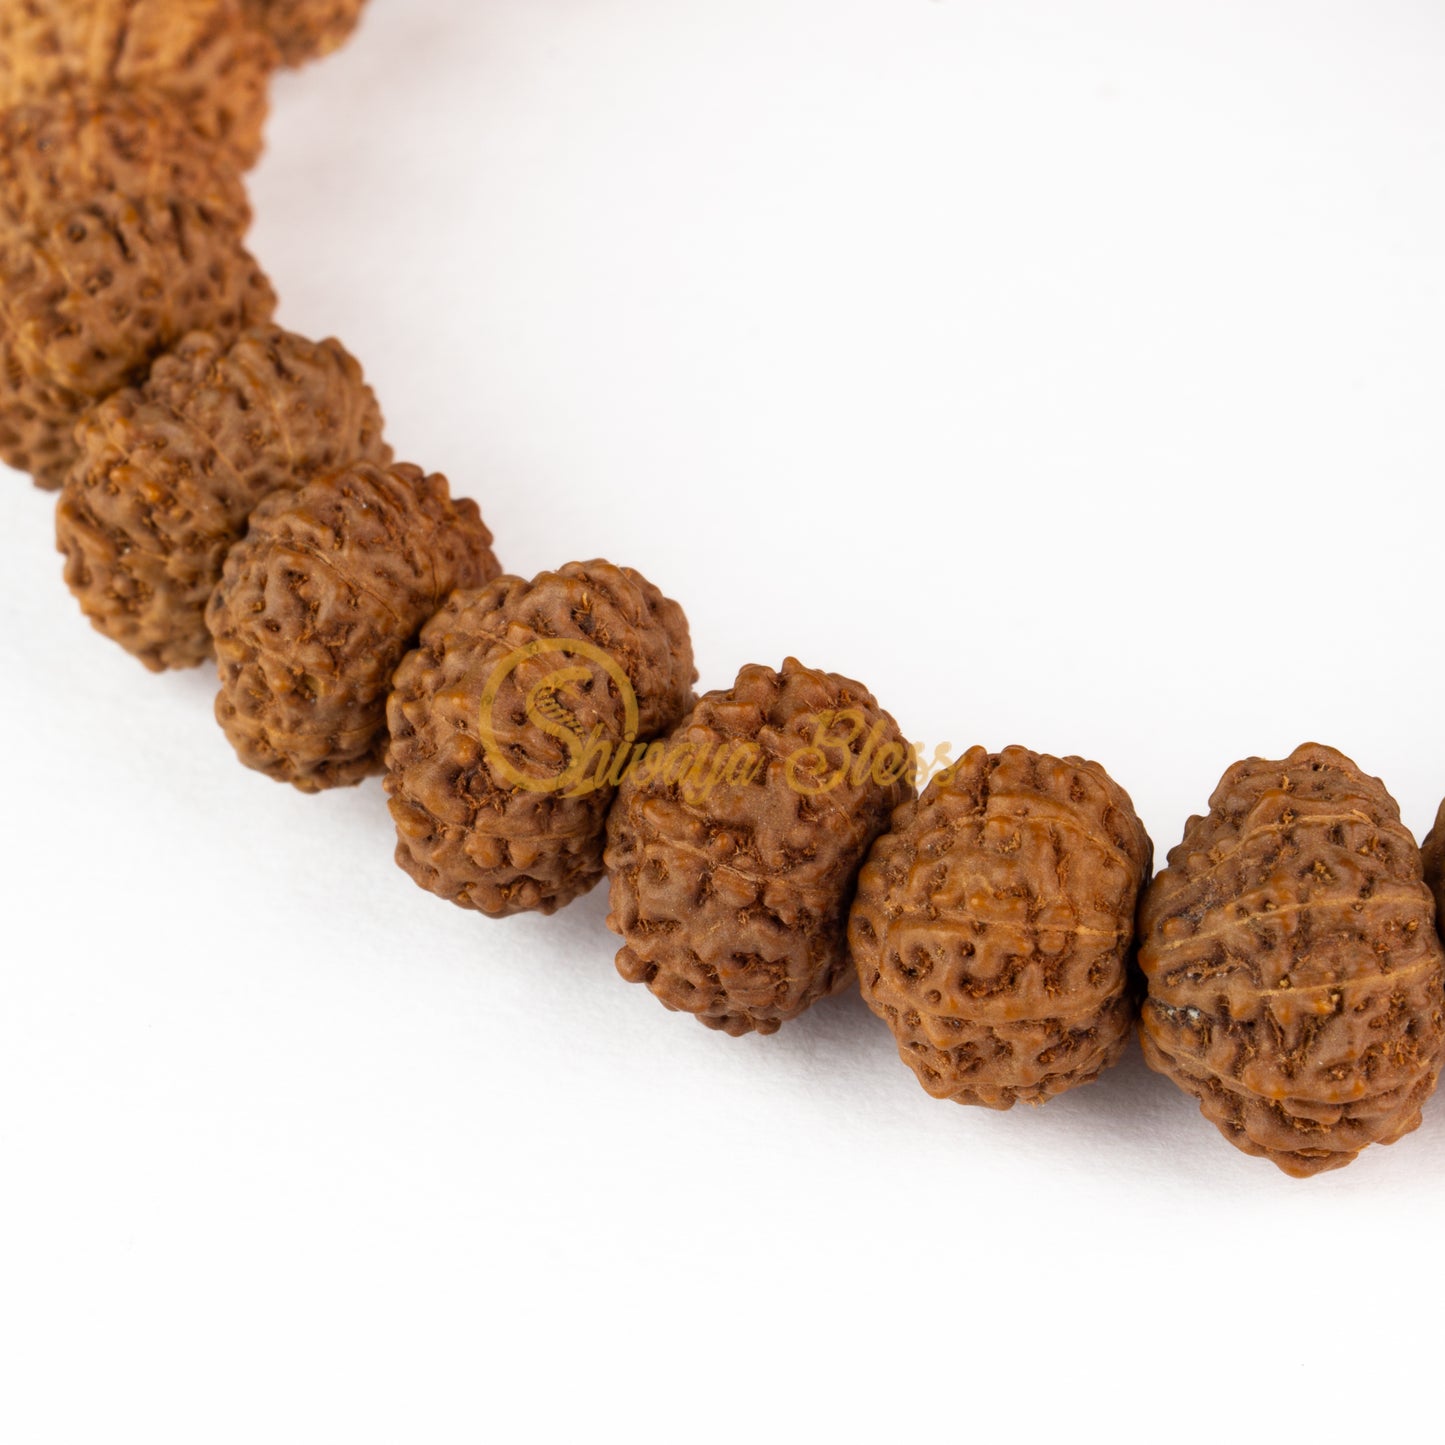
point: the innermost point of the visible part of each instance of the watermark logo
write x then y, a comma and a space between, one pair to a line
550, 703
554, 685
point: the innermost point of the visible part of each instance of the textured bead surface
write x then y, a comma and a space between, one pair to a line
169, 472
317, 605
466, 830
993, 926
85, 143
202, 55
305, 29
732, 903
1294, 975
95, 284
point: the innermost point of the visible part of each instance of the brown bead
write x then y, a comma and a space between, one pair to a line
319, 603
83, 143
993, 926
501, 806
305, 29
734, 848
169, 472
98, 282
1294, 977
201, 55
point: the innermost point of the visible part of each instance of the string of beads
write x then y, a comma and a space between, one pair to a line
226, 493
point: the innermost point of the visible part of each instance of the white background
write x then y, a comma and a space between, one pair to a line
1072, 375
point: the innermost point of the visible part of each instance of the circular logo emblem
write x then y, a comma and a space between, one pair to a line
548, 702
